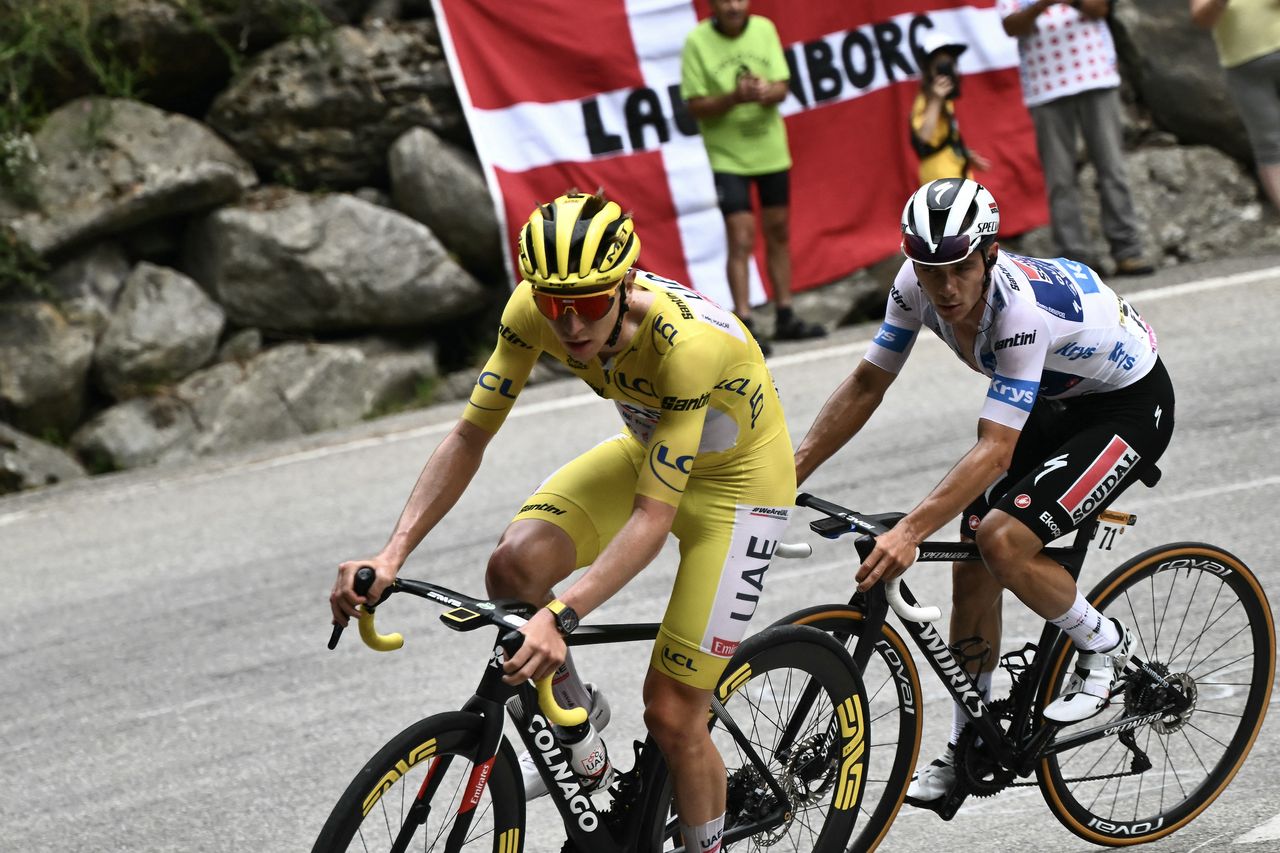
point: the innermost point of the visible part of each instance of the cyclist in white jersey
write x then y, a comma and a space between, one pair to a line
1078, 406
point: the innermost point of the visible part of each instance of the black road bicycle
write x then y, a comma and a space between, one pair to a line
1190, 704
452, 782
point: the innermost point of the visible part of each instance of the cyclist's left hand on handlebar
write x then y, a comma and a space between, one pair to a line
894, 553
344, 601
542, 653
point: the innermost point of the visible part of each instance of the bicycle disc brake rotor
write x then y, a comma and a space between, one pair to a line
1151, 697
810, 771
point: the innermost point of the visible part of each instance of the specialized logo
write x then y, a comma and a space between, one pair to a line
683, 404
1019, 393
1016, 340
417, 754
664, 462
1022, 501
543, 507
1159, 412
1051, 465
1100, 479
894, 338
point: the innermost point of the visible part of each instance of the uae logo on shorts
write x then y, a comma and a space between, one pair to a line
1100, 479
1022, 501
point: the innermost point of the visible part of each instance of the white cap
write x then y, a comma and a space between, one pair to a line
936, 41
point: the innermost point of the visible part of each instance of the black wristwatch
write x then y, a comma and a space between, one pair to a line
566, 617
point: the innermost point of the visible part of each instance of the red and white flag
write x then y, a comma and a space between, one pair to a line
567, 93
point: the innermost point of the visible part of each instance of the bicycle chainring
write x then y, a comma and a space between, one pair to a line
978, 771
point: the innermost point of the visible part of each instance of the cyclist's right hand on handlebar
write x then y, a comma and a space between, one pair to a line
344, 601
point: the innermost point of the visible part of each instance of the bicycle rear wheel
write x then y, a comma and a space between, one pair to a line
377, 811
892, 683
819, 762
1200, 618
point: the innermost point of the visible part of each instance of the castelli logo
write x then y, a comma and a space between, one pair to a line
1022, 501
974, 521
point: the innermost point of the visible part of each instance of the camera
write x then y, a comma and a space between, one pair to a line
947, 68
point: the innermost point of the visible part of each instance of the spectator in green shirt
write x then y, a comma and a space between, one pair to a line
733, 75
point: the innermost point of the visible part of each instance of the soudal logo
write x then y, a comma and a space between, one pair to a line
682, 404
1019, 393
1100, 479
543, 507
1016, 341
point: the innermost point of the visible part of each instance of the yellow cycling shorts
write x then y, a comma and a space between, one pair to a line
727, 527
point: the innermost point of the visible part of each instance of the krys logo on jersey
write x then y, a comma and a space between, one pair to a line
1019, 393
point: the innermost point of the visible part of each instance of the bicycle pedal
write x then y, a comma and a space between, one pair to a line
944, 807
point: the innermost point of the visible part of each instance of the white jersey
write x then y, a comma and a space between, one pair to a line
1050, 329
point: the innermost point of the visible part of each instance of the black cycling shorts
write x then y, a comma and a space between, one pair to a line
1076, 455
733, 192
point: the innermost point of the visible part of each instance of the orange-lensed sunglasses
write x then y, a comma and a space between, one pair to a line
590, 308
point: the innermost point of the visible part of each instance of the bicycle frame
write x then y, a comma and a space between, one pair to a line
585, 824
1018, 753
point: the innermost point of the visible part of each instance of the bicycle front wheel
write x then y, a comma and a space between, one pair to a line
816, 756
427, 785
892, 683
1199, 618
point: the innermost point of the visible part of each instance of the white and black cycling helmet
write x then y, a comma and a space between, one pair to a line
946, 219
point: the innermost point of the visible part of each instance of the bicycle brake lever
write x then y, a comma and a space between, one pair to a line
363, 581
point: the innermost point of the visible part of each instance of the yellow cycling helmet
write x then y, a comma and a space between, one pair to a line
578, 244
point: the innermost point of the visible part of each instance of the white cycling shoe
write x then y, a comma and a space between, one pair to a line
933, 781
599, 715
1090, 687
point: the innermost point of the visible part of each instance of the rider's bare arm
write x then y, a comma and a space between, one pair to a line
844, 413
442, 481
975, 471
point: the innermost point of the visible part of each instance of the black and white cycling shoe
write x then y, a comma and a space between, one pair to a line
1094, 680
599, 715
933, 781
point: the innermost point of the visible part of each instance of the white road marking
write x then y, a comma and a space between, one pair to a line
1269, 831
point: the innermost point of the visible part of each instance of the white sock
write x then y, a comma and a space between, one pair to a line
958, 719
1087, 628
705, 838
567, 686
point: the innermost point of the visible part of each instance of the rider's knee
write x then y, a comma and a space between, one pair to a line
1005, 547
668, 720
520, 568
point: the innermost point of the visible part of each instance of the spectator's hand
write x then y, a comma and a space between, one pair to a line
941, 87
749, 88
979, 162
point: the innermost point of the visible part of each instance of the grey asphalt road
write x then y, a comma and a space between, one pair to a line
164, 682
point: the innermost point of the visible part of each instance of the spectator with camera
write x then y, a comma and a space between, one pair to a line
935, 133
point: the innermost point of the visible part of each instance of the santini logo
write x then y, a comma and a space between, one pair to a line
1016, 341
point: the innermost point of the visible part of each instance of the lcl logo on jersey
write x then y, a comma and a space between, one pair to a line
662, 461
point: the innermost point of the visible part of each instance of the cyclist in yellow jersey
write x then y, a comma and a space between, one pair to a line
705, 455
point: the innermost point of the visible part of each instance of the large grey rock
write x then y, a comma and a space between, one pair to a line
111, 164
1187, 97
164, 328
26, 463
1193, 202
291, 390
290, 261
137, 432
442, 187
44, 361
324, 113
86, 286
